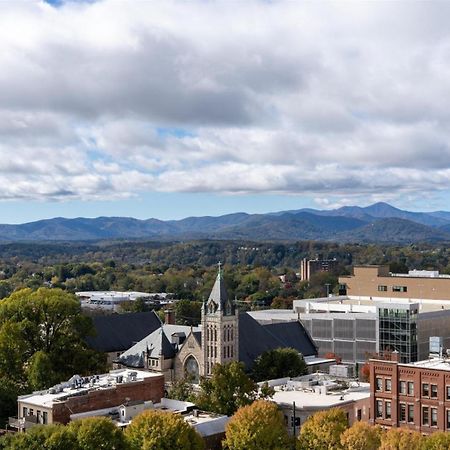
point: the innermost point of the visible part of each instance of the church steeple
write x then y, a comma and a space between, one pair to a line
218, 300
220, 327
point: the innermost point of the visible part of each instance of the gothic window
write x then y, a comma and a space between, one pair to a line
215, 334
191, 368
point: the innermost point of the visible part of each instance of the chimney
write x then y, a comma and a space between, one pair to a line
169, 317
395, 356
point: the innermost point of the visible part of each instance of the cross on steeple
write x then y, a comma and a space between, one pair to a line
219, 264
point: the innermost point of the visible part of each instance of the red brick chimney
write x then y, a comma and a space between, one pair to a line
169, 317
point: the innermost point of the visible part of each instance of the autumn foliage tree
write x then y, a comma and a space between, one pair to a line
437, 441
159, 430
401, 439
322, 431
361, 436
256, 427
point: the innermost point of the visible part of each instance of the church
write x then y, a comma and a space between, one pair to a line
224, 335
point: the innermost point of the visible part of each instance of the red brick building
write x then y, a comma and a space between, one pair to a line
415, 396
84, 394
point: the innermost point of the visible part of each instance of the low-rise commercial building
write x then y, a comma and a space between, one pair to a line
377, 281
301, 397
84, 394
414, 396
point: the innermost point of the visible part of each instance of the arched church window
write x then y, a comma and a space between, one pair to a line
191, 368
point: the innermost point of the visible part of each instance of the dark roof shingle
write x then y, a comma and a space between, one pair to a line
119, 332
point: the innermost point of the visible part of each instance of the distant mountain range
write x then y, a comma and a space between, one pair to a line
379, 222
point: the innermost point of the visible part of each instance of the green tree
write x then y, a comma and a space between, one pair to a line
96, 433
182, 389
323, 430
361, 436
42, 339
401, 439
41, 437
279, 363
158, 430
256, 427
40, 371
188, 312
228, 389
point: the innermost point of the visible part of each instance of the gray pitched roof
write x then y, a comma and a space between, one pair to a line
255, 339
157, 343
118, 332
219, 296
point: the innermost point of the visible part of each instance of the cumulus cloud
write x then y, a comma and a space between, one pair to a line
104, 100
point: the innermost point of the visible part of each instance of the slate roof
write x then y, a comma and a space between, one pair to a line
255, 339
219, 293
118, 332
157, 343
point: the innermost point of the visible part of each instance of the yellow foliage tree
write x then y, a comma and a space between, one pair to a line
158, 430
361, 436
401, 439
259, 426
322, 431
437, 441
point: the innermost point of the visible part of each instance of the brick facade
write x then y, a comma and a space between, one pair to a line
151, 388
417, 398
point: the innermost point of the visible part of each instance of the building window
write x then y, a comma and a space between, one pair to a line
402, 412
387, 410
25, 411
380, 408
411, 413
425, 417
31, 411
425, 390
359, 415
382, 288
434, 392
434, 417
402, 387
44, 417
447, 392
410, 388
388, 385
447, 414
399, 288
379, 384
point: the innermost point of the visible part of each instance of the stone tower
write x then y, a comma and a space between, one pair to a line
220, 328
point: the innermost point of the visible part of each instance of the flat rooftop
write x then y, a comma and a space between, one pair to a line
82, 385
318, 391
356, 304
434, 363
266, 316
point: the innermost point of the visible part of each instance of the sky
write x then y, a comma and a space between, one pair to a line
170, 108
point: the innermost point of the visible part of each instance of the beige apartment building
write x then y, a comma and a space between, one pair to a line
377, 281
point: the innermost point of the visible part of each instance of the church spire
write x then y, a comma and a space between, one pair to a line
218, 298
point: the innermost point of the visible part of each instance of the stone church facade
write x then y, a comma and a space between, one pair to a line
219, 342
225, 335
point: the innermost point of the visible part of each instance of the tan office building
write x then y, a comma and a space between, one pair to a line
377, 281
